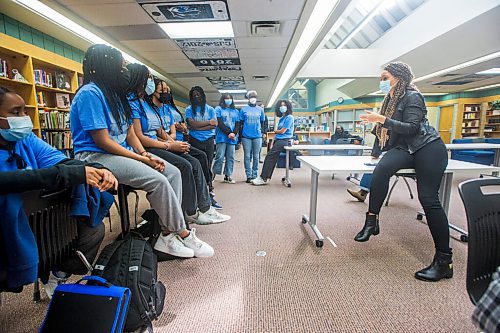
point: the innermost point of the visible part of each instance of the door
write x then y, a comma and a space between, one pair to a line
445, 123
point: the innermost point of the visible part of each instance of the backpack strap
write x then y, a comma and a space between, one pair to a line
105, 256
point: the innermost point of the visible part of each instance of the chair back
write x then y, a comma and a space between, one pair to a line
349, 152
482, 207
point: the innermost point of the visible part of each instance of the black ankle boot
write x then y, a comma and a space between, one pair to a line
440, 268
370, 228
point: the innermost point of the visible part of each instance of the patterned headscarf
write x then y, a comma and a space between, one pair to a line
403, 72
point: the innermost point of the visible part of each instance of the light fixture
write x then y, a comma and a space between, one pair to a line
316, 21
485, 87
215, 29
491, 71
57, 18
459, 66
235, 91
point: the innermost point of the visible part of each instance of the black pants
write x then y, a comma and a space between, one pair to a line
273, 156
194, 188
89, 241
208, 147
429, 163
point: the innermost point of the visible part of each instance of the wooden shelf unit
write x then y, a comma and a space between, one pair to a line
471, 120
65, 75
492, 123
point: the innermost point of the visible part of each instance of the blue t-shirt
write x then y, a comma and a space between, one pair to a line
37, 154
166, 117
229, 118
177, 118
89, 111
201, 135
150, 119
285, 122
252, 116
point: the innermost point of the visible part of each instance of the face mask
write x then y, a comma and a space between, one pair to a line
283, 109
228, 102
150, 87
165, 98
197, 100
20, 128
124, 79
385, 86
252, 100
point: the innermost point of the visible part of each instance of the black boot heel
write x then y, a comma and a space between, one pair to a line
440, 268
371, 227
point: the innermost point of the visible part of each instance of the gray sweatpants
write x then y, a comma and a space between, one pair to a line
164, 190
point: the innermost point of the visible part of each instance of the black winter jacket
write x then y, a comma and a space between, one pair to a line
409, 128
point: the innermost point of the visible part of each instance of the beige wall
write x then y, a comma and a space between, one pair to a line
432, 115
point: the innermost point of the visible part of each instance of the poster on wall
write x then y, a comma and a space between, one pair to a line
212, 54
206, 43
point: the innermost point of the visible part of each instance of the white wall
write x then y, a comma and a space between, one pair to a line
432, 115
327, 91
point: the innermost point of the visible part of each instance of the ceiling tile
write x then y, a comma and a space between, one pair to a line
162, 44
105, 14
160, 55
135, 32
92, 2
261, 42
265, 10
261, 53
242, 28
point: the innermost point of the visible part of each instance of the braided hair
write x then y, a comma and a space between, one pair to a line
138, 79
403, 72
102, 65
203, 99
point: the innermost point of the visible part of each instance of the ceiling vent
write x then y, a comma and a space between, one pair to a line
260, 77
264, 28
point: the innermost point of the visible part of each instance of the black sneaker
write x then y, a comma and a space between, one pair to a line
249, 180
228, 180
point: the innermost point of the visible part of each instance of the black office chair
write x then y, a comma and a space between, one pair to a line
404, 176
482, 207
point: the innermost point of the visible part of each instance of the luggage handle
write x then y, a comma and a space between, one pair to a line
99, 280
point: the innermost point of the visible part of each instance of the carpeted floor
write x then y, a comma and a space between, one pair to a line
297, 287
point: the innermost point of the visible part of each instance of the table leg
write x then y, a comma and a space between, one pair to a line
313, 203
496, 161
286, 180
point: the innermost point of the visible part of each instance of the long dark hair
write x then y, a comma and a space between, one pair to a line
203, 99
288, 108
103, 65
138, 79
222, 102
149, 98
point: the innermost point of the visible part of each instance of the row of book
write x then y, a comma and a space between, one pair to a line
54, 119
43, 78
58, 140
62, 100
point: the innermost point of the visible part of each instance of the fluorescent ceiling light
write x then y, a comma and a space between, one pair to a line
319, 16
57, 18
198, 29
485, 87
491, 71
235, 91
459, 66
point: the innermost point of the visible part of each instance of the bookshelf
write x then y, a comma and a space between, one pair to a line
471, 120
492, 121
49, 85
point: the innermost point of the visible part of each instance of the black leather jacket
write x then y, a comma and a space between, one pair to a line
409, 128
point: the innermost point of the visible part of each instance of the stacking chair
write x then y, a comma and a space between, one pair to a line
404, 177
482, 208
54, 229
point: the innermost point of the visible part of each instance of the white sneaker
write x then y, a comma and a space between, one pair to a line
200, 248
52, 284
259, 181
173, 245
212, 216
192, 218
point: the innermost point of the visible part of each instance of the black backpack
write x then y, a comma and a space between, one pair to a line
130, 262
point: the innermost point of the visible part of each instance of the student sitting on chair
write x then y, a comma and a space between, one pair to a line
102, 130
29, 163
148, 119
284, 133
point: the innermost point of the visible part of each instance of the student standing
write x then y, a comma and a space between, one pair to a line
202, 121
226, 137
403, 131
102, 132
284, 133
252, 118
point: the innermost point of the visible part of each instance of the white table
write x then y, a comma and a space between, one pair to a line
286, 180
356, 164
467, 146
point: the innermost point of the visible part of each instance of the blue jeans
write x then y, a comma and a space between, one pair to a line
366, 182
251, 150
224, 150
